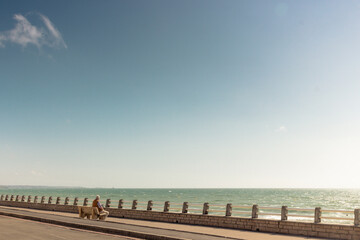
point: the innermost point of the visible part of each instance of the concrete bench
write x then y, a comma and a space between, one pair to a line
88, 212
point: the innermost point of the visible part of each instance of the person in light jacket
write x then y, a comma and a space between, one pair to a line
97, 204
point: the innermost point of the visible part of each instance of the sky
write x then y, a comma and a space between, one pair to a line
180, 94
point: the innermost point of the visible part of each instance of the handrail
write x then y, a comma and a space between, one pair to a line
218, 205
242, 207
175, 208
270, 208
337, 218
270, 214
305, 216
341, 211
217, 211
301, 209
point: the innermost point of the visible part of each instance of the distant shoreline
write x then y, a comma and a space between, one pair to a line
80, 187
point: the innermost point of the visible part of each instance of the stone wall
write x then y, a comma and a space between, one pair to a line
332, 231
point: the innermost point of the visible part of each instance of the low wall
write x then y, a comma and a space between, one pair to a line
332, 231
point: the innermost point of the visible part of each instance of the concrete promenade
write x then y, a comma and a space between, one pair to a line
136, 228
18, 229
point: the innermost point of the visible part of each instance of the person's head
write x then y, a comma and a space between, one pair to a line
97, 197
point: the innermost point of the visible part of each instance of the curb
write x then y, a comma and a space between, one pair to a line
95, 228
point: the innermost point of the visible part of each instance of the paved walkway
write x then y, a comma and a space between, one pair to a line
141, 228
15, 229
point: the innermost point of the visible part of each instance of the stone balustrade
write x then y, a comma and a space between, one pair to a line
165, 214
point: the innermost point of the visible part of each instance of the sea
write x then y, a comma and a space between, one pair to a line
241, 199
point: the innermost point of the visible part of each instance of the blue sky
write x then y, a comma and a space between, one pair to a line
180, 93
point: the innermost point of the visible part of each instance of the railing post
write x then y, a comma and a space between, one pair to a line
85, 202
57, 200
356, 217
185, 207
43, 199
2, 197
206, 208
17, 198
35, 199
7, 197
134, 205
76, 200
121, 203
255, 211
149, 205
23, 198
284, 213
12, 198
29, 199
66, 201
317, 218
50, 200
108, 203
166, 206
228, 210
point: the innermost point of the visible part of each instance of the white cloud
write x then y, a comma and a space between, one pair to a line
24, 33
281, 129
56, 35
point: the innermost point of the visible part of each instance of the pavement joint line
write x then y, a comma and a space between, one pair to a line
95, 228
199, 233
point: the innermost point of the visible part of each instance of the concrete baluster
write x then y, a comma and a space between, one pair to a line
29, 199
7, 197
76, 200
108, 203
43, 199
284, 213
228, 212
185, 207
317, 218
58, 200
23, 198
66, 201
17, 198
85, 202
35, 199
149, 205
50, 200
2, 197
206, 208
166, 206
121, 203
356, 217
255, 211
12, 198
134, 205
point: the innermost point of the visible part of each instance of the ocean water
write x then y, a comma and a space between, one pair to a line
338, 199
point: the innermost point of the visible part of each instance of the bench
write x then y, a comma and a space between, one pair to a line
88, 212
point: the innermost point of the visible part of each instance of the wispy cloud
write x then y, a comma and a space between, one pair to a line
281, 129
24, 33
55, 34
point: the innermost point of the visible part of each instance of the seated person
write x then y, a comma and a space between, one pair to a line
103, 213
